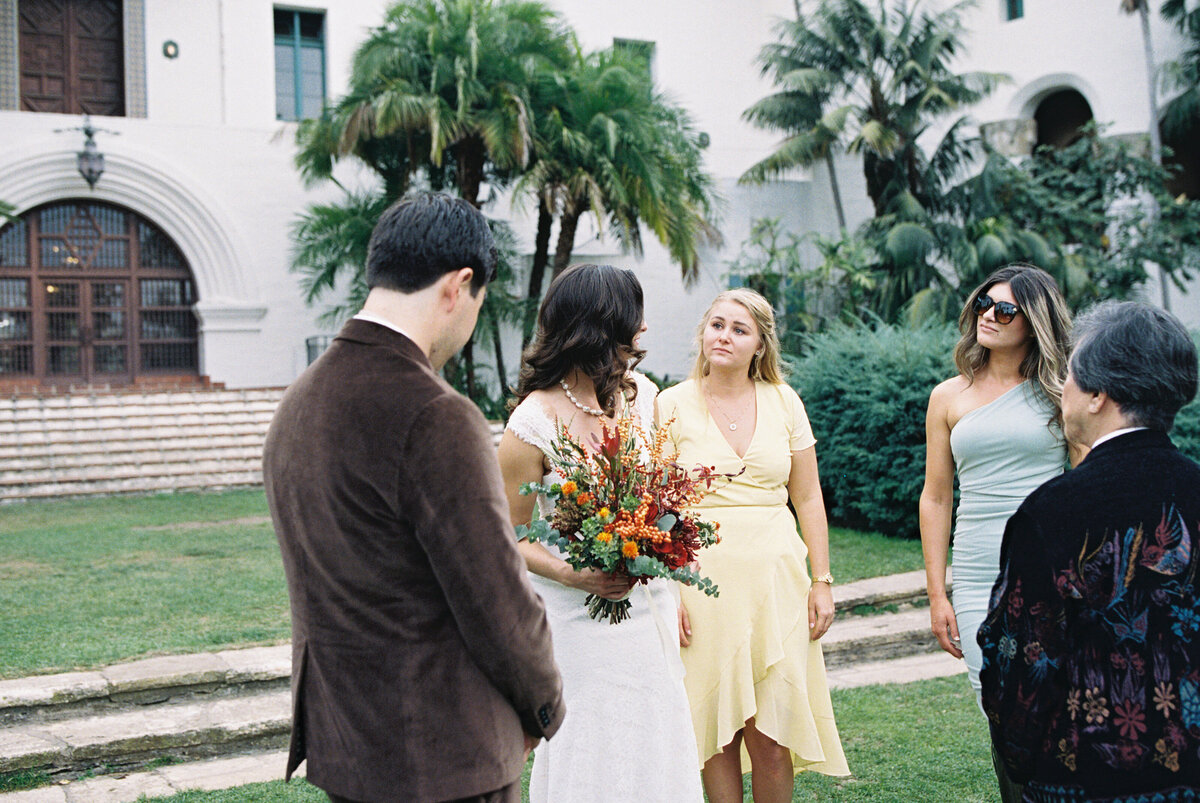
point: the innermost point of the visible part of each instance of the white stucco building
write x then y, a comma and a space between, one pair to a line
175, 265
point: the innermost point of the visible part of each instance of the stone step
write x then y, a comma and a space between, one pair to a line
208, 704
129, 787
906, 669
166, 434
147, 398
133, 736
856, 639
170, 677
117, 463
147, 681
226, 772
107, 443
111, 407
185, 466
134, 485
85, 422
906, 588
24, 456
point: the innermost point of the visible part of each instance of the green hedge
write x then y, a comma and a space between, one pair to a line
1187, 424
866, 388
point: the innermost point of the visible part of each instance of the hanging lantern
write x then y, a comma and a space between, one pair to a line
89, 160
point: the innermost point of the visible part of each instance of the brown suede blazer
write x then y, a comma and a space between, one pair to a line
419, 649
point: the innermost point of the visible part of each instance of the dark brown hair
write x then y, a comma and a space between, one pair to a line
1042, 304
588, 320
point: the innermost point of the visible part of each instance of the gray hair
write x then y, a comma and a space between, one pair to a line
1140, 356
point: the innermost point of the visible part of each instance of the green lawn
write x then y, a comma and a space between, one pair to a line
85, 583
923, 741
855, 555
89, 582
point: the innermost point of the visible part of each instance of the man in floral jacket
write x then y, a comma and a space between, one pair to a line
1091, 646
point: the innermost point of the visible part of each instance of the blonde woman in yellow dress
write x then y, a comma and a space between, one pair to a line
755, 673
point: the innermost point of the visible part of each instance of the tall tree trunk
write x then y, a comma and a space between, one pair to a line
537, 273
468, 366
567, 224
1143, 10
469, 156
878, 173
498, 348
837, 192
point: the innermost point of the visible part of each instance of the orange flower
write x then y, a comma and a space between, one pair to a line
569, 487
629, 549
604, 536
584, 498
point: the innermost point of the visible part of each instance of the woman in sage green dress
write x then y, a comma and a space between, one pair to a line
998, 426
755, 674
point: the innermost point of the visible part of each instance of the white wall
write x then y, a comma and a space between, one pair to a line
705, 59
212, 166
215, 169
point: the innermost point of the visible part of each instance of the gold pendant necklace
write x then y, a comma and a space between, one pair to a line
733, 422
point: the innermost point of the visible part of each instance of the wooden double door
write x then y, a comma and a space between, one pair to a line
92, 293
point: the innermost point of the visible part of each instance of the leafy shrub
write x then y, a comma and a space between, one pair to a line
866, 388
1186, 433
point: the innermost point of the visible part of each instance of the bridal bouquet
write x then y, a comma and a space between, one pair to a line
625, 510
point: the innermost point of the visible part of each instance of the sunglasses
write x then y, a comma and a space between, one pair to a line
1005, 310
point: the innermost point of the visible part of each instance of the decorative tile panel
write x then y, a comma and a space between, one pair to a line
135, 57
9, 63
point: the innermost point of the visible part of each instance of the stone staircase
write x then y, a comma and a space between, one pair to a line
114, 442
176, 713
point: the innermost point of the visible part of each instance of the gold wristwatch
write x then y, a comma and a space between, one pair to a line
826, 578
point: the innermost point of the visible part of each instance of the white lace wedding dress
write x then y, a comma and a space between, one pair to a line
628, 732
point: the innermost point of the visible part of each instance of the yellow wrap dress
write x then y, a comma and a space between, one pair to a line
750, 653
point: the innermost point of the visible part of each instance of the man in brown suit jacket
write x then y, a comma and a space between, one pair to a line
421, 661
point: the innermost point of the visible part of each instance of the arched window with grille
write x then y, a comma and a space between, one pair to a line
93, 293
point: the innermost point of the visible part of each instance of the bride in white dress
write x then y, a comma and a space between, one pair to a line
628, 733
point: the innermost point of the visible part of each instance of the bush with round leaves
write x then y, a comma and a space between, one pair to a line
866, 388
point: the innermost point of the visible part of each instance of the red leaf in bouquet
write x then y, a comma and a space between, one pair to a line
609, 444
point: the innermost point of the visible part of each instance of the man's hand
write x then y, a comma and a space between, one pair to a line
530, 743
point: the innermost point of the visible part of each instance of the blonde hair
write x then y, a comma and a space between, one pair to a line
1040, 301
764, 367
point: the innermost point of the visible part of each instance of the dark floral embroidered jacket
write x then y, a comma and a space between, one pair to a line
1091, 646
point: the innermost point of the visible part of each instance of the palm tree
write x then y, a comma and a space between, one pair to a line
1181, 116
609, 145
869, 79
331, 248
439, 94
1142, 9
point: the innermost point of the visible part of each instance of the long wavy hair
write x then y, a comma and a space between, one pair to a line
764, 367
1043, 305
588, 320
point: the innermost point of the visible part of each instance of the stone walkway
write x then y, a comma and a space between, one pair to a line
860, 650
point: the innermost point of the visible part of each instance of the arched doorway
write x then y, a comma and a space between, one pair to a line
93, 293
1184, 162
1061, 117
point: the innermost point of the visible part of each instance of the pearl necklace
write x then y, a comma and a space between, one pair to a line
733, 422
577, 402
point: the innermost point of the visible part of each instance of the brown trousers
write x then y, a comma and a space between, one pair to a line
509, 794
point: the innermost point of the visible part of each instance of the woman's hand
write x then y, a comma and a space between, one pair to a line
594, 581
944, 625
685, 627
820, 610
